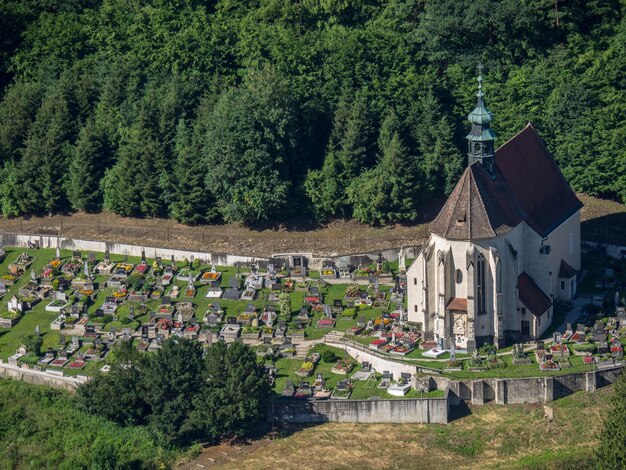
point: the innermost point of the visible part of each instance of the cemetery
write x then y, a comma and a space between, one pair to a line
82, 303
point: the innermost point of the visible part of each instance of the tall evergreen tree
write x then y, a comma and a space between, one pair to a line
86, 169
191, 201
45, 155
389, 192
349, 153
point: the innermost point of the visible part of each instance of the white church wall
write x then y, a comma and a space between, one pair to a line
564, 244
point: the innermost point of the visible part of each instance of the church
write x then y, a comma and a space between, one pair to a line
504, 247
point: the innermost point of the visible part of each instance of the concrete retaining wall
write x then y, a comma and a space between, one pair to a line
35, 377
531, 389
426, 410
52, 241
221, 259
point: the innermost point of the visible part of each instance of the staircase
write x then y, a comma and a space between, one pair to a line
301, 349
335, 337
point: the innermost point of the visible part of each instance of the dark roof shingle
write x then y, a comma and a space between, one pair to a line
528, 185
532, 296
566, 271
535, 178
479, 207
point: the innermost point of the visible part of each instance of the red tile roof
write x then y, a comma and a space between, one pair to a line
457, 303
532, 296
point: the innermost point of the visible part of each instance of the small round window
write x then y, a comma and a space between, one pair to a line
459, 276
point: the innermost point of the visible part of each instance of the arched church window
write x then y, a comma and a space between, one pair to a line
459, 276
480, 284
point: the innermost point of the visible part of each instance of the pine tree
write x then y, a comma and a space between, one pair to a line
191, 201
43, 163
611, 452
389, 192
9, 190
440, 160
349, 153
92, 149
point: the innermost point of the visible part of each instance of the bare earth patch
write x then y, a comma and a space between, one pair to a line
603, 221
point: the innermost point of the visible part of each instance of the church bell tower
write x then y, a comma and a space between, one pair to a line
481, 138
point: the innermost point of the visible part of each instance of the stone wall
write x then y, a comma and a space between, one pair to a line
426, 410
35, 377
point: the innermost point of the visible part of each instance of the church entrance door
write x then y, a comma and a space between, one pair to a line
525, 328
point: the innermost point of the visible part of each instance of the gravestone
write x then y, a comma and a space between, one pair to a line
99, 313
405, 375
91, 257
166, 300
327, 311
76, 255
107, 257
173, 259
131, 313
540, 345
58, 253
159, 261
62, 340
143, 255
231, 320
337, 303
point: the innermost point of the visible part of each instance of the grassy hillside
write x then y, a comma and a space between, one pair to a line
503, 437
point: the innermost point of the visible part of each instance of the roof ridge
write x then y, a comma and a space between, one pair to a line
482, 204
456, 203
529, 124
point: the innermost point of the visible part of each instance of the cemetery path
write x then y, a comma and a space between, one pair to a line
577, 309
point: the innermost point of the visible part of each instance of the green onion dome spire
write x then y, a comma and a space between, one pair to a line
481, 137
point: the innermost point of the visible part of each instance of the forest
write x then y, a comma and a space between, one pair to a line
262, 111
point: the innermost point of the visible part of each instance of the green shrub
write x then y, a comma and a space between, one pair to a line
328, 356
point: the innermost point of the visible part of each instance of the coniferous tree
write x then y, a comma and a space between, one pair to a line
9, 189
44, 159
86, 169
190, 199
389, 192
440, 162
348, 154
